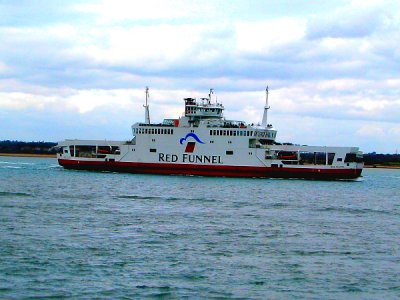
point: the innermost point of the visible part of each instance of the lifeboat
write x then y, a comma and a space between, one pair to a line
287, 156
104, 151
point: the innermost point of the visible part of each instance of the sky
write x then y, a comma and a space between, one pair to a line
78, 69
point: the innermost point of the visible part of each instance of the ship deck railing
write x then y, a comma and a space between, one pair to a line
156, 125
304, 148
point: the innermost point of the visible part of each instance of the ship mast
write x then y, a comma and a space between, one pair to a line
146, 107
266, 107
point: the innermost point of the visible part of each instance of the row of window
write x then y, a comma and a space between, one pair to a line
261, 134
231, 132
215, 132
193, 109
153, 131
264, 134
92, 151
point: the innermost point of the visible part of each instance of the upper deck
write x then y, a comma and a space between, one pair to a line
204, 113
203, 109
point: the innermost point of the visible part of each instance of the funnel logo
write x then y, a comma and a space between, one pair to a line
190, 145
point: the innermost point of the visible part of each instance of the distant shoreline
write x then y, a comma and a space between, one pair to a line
29, 155
380, 167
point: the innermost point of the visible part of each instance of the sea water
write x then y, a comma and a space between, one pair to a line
80, 235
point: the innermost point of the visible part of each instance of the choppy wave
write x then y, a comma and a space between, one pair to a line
28, 165
16, 163
14, 194
12, 167
193, 237
55, 166
325, 253
353, 210
139, 197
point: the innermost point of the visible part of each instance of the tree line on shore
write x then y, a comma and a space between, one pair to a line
374, 158
19, 147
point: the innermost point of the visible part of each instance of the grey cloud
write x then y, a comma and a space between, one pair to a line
368, 50
24, 13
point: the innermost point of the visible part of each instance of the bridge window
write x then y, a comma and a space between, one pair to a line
331, 156
352, 157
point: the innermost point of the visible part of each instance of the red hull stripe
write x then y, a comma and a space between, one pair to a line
210, 170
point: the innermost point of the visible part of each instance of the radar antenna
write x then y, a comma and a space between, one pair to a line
146, 107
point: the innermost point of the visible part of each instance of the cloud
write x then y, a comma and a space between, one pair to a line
327, 65
262, 36
149, 47
277, 48
87, 100
357, 19
107, 11
370, 131
19, 101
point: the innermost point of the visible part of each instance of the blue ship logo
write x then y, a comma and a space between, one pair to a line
193, 135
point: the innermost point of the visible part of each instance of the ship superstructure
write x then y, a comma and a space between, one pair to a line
203, 142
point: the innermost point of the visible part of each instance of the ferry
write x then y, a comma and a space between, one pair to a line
203, 142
